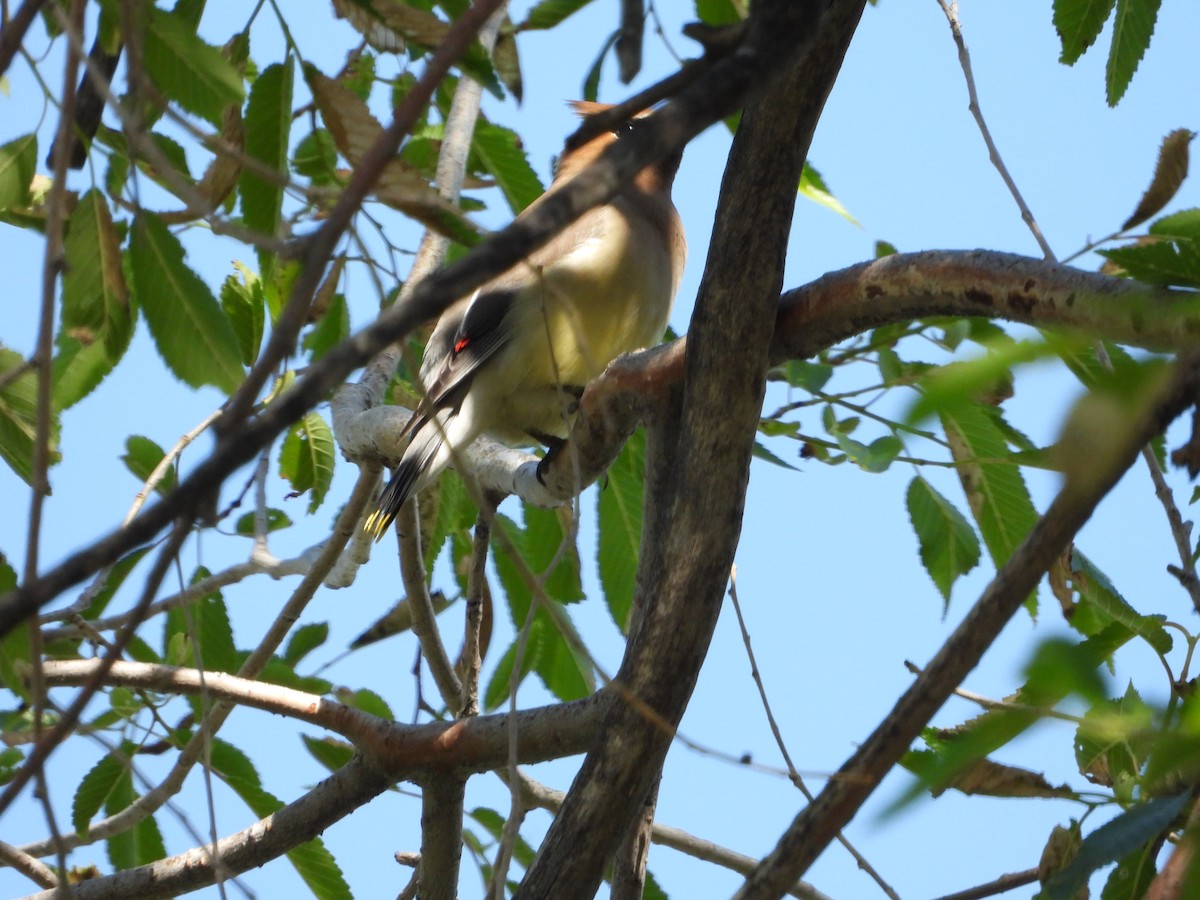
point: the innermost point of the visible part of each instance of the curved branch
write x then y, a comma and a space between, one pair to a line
467, 745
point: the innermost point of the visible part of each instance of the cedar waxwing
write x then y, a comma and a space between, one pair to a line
512, 359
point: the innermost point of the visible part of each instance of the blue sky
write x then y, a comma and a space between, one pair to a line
828, 572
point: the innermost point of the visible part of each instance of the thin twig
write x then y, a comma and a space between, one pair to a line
992, 888
472, 659
950, 8
793, 775
14, 30
424, 622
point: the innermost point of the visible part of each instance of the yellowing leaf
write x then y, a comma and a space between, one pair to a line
1169, 173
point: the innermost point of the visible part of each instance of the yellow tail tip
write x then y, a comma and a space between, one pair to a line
377, 524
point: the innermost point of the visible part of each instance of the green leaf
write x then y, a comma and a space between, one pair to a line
718, 12
312, 861
760, 451
813, 187
995, 489
1132, 875
1078, 23
620, 528
18, 163
329, 751
277, 519
245, 304
141, 844
591, 83
18, 418
78, 368
500, 151
1103, 604
218, 653
1133, 26
14, 646
141, 457
114, 579
548, 13
493, 823
268, 124
368, 701
306, 639
948, 544
189, 328
1113, 741
1112, 841
307, 457
1170, 262
810, 376
332, 329
187, 70
1184, 224
316, 157
95, 300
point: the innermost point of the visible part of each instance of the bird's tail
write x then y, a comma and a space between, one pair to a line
416, 465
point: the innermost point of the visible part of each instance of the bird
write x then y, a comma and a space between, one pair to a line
511, 359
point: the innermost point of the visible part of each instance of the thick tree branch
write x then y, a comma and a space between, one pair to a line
816, 825
722, 396
475, 744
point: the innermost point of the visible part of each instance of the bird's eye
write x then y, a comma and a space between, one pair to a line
625, 128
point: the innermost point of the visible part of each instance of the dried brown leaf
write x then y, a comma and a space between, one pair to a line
1169, 173
400, 185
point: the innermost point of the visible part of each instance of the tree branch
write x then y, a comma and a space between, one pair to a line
722, 397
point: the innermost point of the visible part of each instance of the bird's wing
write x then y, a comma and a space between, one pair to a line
482, 330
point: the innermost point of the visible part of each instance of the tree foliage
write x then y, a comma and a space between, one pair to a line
194, 126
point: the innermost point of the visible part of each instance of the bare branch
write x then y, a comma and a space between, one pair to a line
441, 837
950, 8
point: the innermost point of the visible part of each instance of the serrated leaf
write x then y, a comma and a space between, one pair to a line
1111, 841
549, 13
400, 185
312, 861
95, 299
1078, 23
368, 701
1133, 26
268, 124
813, 187
214, 634
1097, 591
619, 537
1169, 172
760, 451
995, 489
142, 456
307, 458
18, 418
94, 791
1113, 741
187, 70
1160, 262
79, 368
190, 331
947, 542
500, 151
245, 305
18, 164
141, 844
